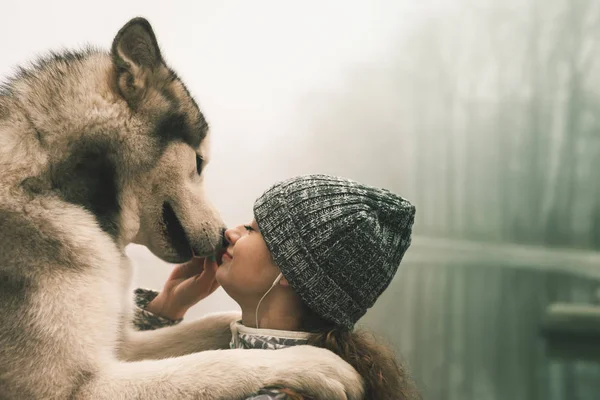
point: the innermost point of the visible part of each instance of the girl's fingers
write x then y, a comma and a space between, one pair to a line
214, 286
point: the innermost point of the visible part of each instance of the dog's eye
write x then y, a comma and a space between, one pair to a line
199, 162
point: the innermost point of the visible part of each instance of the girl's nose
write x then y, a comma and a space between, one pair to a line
232, 235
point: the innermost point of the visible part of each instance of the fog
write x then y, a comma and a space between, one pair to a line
485, 114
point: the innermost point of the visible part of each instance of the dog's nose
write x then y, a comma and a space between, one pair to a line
224, 241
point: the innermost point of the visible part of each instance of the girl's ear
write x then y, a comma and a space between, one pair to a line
284, 282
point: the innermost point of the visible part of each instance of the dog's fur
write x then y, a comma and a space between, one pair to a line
99, 150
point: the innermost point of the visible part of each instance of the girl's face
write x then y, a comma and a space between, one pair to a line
247, 270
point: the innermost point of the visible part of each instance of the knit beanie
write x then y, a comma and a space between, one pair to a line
337, 242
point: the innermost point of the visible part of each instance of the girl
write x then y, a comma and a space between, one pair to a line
318, 253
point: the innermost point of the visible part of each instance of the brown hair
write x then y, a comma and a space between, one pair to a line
384, 376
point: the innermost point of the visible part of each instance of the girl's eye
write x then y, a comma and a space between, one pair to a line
199, 162
248, 228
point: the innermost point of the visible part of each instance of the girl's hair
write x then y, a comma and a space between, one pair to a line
384, 376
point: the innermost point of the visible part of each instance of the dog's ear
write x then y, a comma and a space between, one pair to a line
136, 57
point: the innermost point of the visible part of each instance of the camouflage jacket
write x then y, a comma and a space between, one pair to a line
242, 338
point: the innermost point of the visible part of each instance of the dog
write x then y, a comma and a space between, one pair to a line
98, 150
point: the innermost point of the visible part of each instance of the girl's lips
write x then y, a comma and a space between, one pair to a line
226, 257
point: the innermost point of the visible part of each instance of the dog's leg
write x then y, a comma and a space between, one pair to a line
226, 374
211, 332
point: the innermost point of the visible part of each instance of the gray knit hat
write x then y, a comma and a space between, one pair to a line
338, 242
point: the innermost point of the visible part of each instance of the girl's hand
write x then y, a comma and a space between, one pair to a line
187, 285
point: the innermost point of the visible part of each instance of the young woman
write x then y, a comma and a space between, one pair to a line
319, 252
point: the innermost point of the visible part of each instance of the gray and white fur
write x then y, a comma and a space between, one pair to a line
99, 150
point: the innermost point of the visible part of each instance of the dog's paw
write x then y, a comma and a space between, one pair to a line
317, 372
215, 329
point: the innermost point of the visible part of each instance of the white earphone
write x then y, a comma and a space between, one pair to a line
275, 282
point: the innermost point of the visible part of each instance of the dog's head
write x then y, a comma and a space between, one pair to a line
175, 217
119, 135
